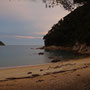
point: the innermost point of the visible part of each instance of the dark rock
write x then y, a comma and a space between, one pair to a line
35, 75
29, 73
11, 78
55, 60
41, 69
78, 74
41, 53
1, 43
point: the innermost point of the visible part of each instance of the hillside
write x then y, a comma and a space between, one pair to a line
72, 29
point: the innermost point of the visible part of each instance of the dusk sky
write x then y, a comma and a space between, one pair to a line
25, 22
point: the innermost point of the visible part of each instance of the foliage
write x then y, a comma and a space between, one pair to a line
75, 27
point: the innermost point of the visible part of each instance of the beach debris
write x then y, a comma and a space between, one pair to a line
11, 78
78, 74
55, 60
14, 78
41, 53
59, 72
29, 73
41, 69
39, 81
35, 75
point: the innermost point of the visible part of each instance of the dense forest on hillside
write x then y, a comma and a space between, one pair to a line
73, 28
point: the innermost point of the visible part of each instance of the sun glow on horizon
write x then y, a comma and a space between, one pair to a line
28, 37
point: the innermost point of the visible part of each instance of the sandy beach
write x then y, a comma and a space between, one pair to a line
67, 75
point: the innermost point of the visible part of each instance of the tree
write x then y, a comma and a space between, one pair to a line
75, 27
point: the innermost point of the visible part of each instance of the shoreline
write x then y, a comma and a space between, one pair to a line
83, 49
25, 66
40, 66
22, 66
47, 76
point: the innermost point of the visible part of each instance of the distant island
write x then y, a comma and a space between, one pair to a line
71, 31
1, 43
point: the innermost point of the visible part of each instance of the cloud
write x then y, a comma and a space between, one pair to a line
23, 10
40, 33
28, 37
26, 20
15, 9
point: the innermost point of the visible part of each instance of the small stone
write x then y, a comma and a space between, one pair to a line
55, 60
41, 53
41, 69
78, 74
29, 73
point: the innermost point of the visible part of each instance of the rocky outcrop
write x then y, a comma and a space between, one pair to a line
80, 48
53, 47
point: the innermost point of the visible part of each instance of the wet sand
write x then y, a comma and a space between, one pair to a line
68, 75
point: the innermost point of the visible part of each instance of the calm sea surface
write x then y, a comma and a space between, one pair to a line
29, 55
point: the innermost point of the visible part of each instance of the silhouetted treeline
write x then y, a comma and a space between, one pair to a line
67, 4
81, 1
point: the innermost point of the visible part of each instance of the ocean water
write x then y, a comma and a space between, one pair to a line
20, 55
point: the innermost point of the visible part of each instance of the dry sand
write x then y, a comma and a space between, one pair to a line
69, 75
